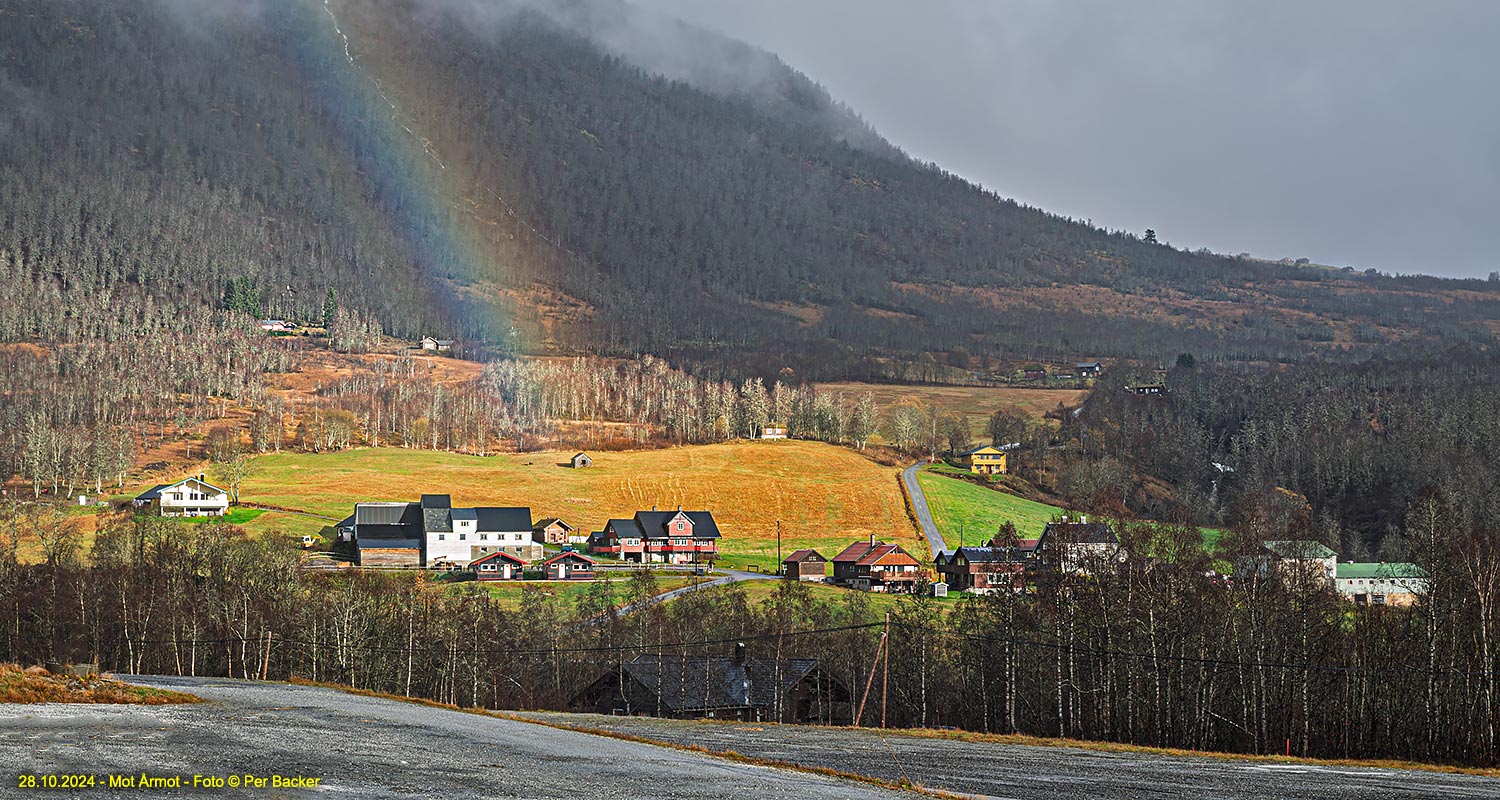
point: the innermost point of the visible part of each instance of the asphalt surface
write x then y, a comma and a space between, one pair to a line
919, 505
1027, 772
360, 747
729, 576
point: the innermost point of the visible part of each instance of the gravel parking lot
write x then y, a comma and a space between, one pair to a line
362, 747
1042, 773
369, 748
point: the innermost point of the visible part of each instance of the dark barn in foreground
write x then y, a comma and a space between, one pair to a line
720, 687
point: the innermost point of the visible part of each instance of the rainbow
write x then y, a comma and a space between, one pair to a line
409, 182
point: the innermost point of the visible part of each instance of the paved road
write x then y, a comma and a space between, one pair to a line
1043, 773
919, 505
729, 576
363, 747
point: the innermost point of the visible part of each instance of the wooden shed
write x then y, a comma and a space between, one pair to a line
581, 460
805, 565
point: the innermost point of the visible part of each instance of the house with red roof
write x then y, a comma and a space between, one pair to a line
876, 567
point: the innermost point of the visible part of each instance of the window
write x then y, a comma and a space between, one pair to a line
484, 537
441, 537
679, 525
463, 536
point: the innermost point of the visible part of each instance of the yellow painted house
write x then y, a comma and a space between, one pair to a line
985, 460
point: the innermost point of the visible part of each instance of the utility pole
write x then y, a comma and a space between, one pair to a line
885, 677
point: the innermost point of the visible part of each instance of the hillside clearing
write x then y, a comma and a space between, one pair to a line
975, 403
824, 496
970, 514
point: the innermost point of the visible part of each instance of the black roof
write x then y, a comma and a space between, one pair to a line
437, 513
503, 519
1080, 532
983, 555
387, 514
698, 683
653, 524
152, 493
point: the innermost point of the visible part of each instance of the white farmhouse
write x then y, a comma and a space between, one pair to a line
192, 497
432, 533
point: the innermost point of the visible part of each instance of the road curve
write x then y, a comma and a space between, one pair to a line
363, 747
919, 505
1029, 772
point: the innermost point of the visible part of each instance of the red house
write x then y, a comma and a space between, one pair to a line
877, 567
660, 537
569, 567
497, 566
621, 538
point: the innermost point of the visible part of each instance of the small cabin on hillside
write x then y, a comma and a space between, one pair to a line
580, 460
1088, 369
773, 431
805, 565
192, 497
435, 344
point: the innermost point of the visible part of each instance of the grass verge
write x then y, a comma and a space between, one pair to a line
36, 685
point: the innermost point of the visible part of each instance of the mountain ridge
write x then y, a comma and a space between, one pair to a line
477, 179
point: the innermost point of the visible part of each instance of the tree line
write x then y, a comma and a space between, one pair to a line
1148, 651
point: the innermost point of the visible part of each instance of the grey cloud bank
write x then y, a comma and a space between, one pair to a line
1350, 132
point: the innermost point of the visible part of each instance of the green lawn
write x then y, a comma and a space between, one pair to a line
960, 507
963, 510
236, 516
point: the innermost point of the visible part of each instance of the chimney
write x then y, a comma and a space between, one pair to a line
739, 653
872, 538
201, 476
653, 507
1084, 519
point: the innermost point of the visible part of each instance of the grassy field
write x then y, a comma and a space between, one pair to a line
975, 403
973, 513
507, 594
825, 496
759, 591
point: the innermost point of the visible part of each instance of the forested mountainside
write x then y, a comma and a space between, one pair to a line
522, 178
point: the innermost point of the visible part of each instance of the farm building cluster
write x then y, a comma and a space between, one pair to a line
504, 543
1082, 547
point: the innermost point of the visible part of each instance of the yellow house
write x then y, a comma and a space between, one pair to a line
985, 460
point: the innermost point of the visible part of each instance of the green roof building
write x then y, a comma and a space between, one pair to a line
1382, 583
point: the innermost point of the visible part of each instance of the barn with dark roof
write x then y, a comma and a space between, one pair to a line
734, 687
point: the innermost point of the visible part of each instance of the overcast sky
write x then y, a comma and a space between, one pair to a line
1351, 132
